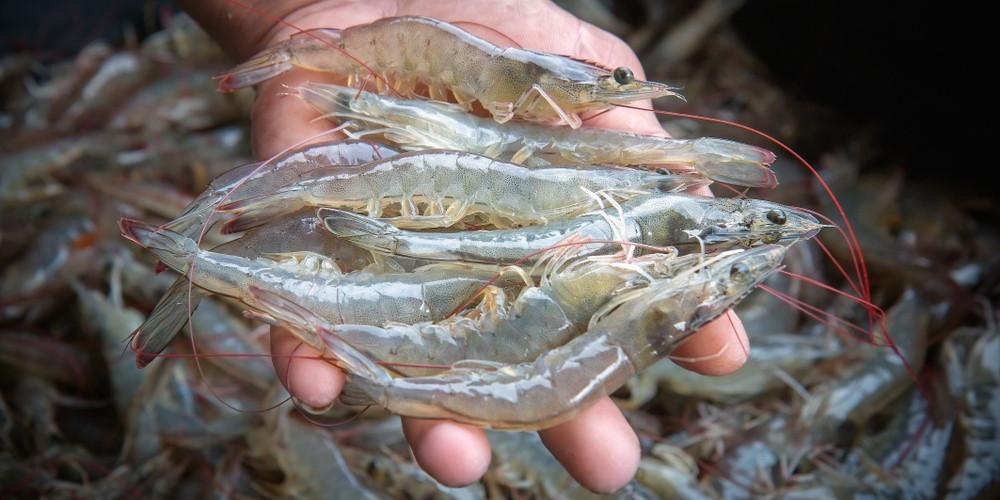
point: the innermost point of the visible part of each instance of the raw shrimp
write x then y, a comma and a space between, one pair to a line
453, 185
772, 353
980, 414
674, 219
540, 319
253, 180
418, 124
309, 458
862, 392
627, 335
315, 281
407, 50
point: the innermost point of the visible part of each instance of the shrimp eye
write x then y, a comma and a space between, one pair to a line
662, 171
623, 75
777, 217
738, 269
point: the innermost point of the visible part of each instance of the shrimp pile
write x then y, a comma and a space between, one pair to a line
490, 260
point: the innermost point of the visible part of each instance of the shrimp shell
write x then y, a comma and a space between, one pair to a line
508, 82
419, 124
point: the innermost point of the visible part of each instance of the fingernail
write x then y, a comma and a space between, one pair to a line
312, 410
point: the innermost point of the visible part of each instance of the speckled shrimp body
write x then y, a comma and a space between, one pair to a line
404, 51
315, 281
435, 189
691, 223
419, 124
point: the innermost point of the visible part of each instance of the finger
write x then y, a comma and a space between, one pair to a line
719, 348
454, 454
313, 382
598, 447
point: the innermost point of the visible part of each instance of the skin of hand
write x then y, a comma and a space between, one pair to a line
598, 447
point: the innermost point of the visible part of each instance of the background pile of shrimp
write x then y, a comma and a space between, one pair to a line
824, 406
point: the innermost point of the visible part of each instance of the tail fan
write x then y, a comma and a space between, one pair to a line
317, 332
265, 65
256, 210
174, 250
163, 324
362, 231
276, 60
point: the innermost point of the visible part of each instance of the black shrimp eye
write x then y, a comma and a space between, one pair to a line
623, 75
662, 171
738, 269
777, 217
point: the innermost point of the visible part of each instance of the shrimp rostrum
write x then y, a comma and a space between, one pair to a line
625, 336
410, 50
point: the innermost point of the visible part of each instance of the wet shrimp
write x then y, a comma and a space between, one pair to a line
451, 186
507, 82
419, 124
541, 318
685, 221
626, 336
315, 281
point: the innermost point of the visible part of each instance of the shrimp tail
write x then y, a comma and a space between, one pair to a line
257, 210
276, 60
305, 322
267, 64
360, 391
735, 163
362, 231
162, 325
738, 173
174, 250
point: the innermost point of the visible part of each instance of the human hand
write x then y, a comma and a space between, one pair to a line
598, 447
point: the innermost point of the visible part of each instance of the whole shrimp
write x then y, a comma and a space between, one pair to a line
418, 124
453, 185
540, 319
315, 281
662, 219
627, 335
507, 82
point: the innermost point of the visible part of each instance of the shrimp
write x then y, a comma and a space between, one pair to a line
507, 82
316, 281
681, 220
253, 180
981, 464
541, 318
772, 353
626, 336
419, 124
453, 185
312, 463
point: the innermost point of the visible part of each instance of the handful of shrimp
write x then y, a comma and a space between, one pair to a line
468, 247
